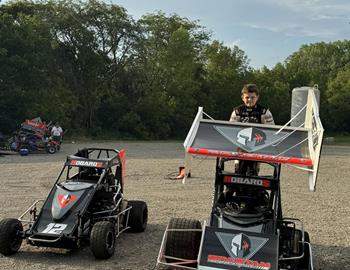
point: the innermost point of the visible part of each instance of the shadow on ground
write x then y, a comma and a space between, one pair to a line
130, 254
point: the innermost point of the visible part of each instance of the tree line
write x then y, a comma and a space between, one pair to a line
100, 72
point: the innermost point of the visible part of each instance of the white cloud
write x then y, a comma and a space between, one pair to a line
263, 26
232, 44
314, 7
320, 17
304, 32
289, 29
303, 18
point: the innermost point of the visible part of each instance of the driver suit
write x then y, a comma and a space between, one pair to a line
259, 115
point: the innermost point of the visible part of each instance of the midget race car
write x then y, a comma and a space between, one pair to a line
86, 204
33, 137
246, 228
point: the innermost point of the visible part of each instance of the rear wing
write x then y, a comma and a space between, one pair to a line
297, 146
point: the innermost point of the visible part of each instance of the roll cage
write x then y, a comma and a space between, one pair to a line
95, 165
229, 178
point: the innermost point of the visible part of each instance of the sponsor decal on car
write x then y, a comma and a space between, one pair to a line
64, 200
241, 248
238, 262
240, 245
54, 228
251, 137
86, 163
250, 156
246, 181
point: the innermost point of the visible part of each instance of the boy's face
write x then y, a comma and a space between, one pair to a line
250, 99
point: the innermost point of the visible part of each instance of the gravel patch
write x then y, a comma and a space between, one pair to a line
325, 213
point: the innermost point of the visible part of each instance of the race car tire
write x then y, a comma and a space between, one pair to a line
51, 149
103, 240
10, 240
304, 263
138, 216
183, 244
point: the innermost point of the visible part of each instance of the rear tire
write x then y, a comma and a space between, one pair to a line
51, 149
10, 240
138, 216
183, 244
103, 240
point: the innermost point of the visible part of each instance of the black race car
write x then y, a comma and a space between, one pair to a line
246, 229
86, 203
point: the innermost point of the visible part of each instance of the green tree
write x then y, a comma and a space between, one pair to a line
30, 86
226, 71
338, 96
94, 43
275, 91
170, 61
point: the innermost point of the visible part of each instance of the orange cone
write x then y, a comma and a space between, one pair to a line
182, 173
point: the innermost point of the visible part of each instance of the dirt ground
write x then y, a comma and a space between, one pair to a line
325, 213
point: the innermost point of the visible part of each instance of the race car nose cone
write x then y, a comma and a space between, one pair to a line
64, 200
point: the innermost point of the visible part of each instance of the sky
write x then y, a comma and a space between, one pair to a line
268, 31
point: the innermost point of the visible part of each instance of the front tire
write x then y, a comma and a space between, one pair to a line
10, 240
103, 240
138, 216
183, 244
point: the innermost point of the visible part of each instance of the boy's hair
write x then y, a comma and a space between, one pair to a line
250, 88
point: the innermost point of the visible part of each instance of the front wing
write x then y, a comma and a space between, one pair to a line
229, 249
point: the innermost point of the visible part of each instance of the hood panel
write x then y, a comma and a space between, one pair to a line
65, 198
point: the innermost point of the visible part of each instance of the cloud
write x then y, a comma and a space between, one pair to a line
320, 17
293, 30
262, 26
232, 44
302, 18
314, 7
305, 32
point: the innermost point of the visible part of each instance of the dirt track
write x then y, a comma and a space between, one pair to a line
326, 213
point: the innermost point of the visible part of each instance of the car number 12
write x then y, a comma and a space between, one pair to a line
54, 228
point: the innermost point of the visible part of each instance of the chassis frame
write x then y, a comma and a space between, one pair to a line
76, 203
299, 248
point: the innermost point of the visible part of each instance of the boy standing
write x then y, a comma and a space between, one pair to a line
250, 111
